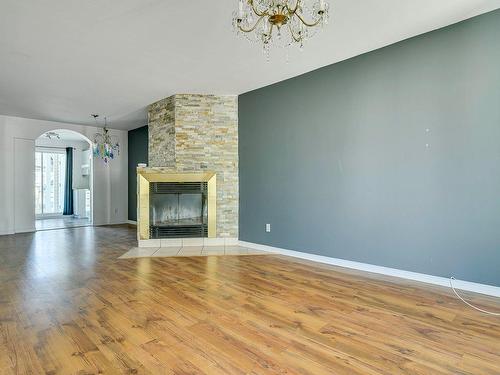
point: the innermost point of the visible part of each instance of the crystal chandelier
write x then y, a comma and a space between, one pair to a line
280, 22
105, 146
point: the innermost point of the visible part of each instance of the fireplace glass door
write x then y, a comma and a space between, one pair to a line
178, 209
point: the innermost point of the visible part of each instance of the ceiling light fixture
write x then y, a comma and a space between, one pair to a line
280, 22
105, 145
51, 135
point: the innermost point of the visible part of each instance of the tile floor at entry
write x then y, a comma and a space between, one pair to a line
189, 251
61, 222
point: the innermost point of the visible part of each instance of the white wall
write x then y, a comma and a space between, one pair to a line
61, 143
24, 161
110, 181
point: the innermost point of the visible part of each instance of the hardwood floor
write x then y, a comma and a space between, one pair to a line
69, 306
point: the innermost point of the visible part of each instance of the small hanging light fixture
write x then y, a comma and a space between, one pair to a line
105, 145
51, 135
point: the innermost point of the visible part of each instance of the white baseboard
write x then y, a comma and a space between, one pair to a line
132, 222
26, 230
415, 276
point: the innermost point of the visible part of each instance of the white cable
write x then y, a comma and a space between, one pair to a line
468, 304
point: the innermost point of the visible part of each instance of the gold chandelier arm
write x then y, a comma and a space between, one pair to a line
252, 28
293, 11
297, 39
270, 31
254, 8
307, 23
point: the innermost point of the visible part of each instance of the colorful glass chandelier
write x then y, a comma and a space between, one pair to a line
280, 22
105, 145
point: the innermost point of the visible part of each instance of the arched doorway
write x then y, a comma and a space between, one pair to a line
63, 180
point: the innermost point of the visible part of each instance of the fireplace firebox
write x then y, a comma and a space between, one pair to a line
178, 209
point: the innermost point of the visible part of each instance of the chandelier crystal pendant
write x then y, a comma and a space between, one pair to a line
105, 146
280, 22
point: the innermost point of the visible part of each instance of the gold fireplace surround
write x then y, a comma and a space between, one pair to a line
147, 175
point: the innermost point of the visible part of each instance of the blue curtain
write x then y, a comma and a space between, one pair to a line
68, 183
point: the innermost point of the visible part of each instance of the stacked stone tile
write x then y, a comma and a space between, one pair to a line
161, 126
196, 133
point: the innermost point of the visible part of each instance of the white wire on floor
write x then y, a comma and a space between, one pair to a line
468, 304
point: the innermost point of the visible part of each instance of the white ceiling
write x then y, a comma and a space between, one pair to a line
67, 138
62, 60
68, 135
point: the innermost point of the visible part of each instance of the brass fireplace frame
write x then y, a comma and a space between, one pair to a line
147, 175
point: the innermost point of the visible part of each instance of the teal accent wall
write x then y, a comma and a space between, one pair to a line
390, 158
137, 153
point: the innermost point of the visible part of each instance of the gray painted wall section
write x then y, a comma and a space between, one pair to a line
137, 153
391, 158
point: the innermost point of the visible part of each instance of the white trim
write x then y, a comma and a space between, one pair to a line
54, 150
26, 230
49, 216
132, 222
429, 279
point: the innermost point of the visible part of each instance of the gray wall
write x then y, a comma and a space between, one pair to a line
137, 153
390, 158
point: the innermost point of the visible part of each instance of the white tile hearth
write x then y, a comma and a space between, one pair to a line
139, 252
150, 243
189, 251
171, 242
189, 242
213, 250
167, 252
180, 242
214, 242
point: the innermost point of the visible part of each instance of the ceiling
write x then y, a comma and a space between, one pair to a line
62, 60
67, 138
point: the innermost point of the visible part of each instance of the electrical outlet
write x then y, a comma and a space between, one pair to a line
268, 228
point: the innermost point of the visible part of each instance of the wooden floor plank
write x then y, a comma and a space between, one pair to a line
68, 305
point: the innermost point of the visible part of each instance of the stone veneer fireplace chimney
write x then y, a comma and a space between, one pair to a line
195, 135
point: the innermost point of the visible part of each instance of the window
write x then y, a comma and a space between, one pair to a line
50, 172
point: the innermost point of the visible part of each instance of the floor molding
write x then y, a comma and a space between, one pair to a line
132, 222
415, 276
26, 230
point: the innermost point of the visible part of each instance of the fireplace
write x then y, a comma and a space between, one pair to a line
175, 205
178, 209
